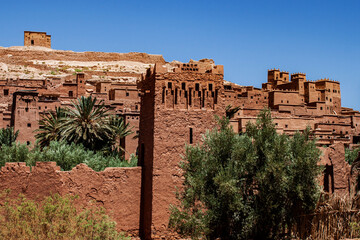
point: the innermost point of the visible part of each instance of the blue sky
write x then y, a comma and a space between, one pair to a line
320, 38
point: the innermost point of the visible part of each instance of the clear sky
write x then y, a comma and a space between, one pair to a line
319, 38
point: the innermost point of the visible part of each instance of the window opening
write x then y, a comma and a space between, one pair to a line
191, 136
176, 96
197, 87
210, 87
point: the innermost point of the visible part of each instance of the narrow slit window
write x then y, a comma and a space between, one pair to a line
191, 136
183, 86
190, 96
210, 87
216, 96
176, 96
197, 87
163, 95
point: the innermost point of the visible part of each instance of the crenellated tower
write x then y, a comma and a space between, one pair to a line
178, 105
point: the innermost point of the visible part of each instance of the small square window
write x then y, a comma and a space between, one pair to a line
127, 94
29, 125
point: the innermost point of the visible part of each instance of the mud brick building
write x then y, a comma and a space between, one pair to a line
40, 39
168, 105
177, 106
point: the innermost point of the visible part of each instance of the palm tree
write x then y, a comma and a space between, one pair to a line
87, 123
231, 111
120, 130
8, 136
49, 127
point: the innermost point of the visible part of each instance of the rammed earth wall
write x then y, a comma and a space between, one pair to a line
115, 189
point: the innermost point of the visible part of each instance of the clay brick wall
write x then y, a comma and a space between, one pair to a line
25, 115
37, 39
131, 142
115, 189
183, 107
336, 177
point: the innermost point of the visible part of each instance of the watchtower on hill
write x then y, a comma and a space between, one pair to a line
40, 39
177, 107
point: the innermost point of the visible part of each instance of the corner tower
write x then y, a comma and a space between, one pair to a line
178, 105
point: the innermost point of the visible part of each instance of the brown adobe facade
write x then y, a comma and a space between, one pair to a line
40, 39
297, 103
168, 105
177, 106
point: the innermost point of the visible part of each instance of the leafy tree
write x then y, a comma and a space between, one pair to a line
248, 186
49, 127
87, 123
231, 111
120, 130
8, 136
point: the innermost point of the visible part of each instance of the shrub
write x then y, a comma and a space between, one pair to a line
351, 155
14, 153
251, 186
55, 217
8, 136
65, 155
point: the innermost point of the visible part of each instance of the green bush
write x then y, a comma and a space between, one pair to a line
252, 186
65, 155
8, 136
14, 153
351, 155
55, 217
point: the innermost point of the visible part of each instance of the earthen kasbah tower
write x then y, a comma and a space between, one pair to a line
178, 105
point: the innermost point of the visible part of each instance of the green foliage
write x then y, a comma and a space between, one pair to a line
231, 111
248, 186
55, 217
49, 127
351, 155
65, 155
87, 122
14, 153
8, 136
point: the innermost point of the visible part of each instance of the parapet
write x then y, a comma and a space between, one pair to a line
201, 66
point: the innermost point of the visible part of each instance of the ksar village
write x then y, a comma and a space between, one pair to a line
108, 145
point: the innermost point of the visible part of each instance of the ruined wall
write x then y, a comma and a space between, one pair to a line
115, 189
336, 176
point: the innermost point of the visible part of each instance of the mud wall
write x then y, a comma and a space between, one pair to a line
115, 189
